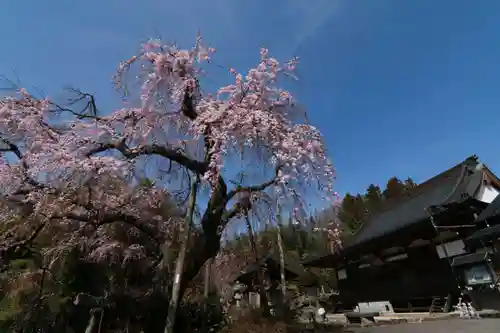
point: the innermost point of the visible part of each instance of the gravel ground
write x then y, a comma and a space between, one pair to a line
438, 326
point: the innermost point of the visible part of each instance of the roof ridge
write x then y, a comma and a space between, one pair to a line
490, 174
416, 191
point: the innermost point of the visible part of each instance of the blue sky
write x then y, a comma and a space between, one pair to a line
406, 88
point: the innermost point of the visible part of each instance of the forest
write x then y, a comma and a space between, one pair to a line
357, 208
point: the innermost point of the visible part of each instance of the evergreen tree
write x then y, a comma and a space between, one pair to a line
352, 212
395, 188
373, 199
409, 184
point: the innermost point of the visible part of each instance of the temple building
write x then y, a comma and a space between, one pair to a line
404, 253
296, 276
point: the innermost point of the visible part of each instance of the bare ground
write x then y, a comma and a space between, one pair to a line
438, 326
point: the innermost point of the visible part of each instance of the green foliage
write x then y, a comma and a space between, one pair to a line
358, 208
146, 182
24, 304
193, 316
373, 198
352, 211
299, 241
10, 307
394, 189
20, 265
409, 184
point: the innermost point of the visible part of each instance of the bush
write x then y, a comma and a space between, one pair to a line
207, 315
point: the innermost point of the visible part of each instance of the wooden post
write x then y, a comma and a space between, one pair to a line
282, 254
260, 275
176, 288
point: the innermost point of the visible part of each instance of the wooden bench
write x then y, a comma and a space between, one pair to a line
355, 317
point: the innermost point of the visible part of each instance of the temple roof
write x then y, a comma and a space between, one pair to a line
483, 237
293, 270
492, 210
455, 185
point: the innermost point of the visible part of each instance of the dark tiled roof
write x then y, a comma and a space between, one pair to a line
451, 186
470, 258
454, 185
492, 210
317, 260
483, 236
293, 268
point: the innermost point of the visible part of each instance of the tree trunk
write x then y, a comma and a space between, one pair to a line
94, 324
260, 276
179, 267
204, 247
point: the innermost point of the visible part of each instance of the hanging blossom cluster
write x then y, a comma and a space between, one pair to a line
253, 112
51, 165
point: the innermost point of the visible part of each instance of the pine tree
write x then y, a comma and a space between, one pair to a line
409, 184
352, 212
394, 189
373, 199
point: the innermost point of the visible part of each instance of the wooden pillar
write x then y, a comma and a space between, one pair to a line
448, 306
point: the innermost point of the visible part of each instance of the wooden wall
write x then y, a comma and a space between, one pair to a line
420, 275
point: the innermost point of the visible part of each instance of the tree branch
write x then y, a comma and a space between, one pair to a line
254, 188
13, 148
112, 217
20, 249
91, 301
236, 210
172, 154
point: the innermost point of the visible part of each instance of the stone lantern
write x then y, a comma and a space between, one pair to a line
238, 289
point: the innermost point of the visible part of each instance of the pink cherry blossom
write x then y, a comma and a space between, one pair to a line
48, 162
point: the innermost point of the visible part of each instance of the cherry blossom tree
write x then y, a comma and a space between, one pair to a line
79, 171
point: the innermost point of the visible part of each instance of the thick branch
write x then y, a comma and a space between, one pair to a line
253, 188
172, 154
112, 217
206, 243
236, 210
13, 148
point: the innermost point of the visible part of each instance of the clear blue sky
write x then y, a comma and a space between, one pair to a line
406, 88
